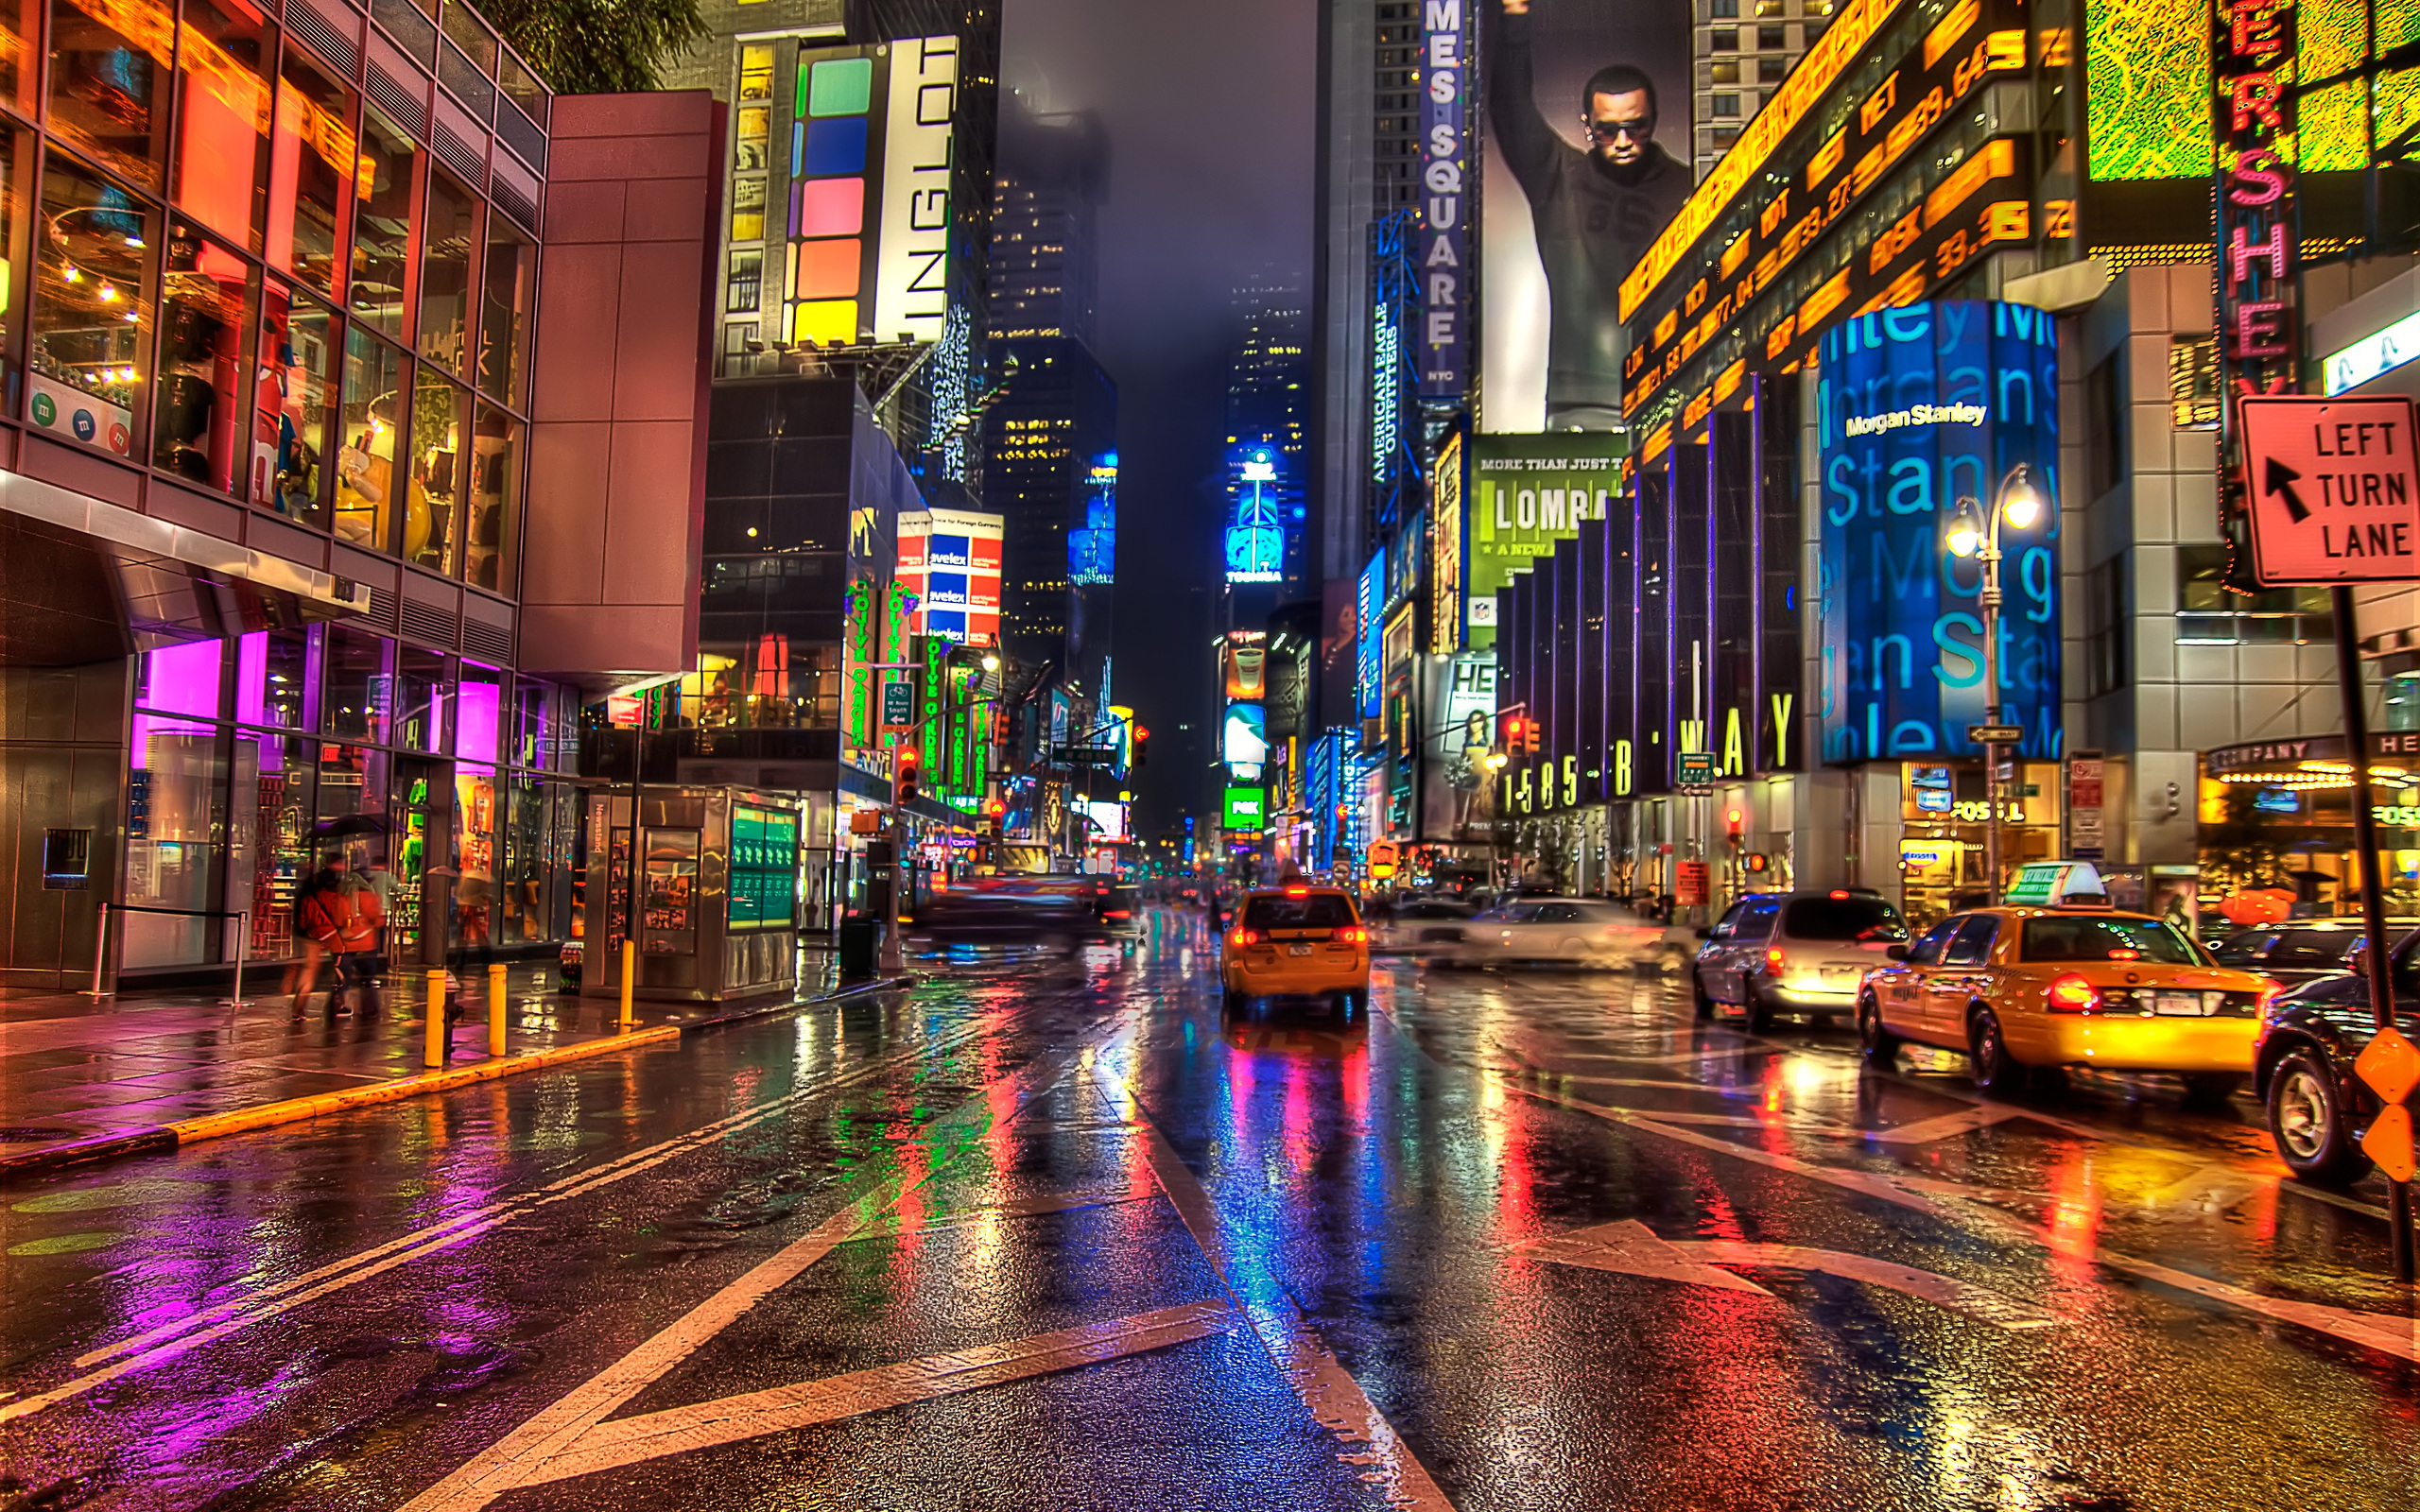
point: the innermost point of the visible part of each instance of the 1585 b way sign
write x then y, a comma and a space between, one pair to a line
2335, 493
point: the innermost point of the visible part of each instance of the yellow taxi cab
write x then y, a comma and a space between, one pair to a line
2026, 988
1296, 939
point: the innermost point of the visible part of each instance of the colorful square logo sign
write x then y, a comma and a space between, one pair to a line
827, 264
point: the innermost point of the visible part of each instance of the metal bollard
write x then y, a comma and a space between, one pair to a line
100, 953
243, 948
495, 1009
629, 979
436, 1054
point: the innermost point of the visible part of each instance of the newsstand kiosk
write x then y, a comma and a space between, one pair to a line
707, 877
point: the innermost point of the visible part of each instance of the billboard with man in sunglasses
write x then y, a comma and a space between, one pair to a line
1578, 185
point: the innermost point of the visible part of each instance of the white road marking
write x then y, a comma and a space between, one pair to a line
2386, 1332
562, 1428
1965, 1121
168, 1341
1334, 1397
2213, 1188
1630, 1246
757, 1414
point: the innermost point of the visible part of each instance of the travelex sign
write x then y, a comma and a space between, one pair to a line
1901, 616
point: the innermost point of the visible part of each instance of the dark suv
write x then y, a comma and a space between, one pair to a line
2299, 950
2303, 1065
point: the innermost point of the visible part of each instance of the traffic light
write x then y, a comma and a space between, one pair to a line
904, 790
1734, 821
1142, 749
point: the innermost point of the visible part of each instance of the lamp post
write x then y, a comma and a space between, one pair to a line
1976, 533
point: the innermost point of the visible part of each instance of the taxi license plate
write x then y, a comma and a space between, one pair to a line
2178, 1004
1298, 950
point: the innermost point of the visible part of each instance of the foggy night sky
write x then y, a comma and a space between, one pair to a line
1210, 115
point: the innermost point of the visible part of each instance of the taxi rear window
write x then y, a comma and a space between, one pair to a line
1320, 910
2087, 938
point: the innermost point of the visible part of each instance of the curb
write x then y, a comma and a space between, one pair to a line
161, 1139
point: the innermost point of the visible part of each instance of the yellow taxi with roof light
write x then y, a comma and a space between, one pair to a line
1296, 941
2022, 989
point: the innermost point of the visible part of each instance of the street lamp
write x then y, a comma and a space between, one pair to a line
1973, 533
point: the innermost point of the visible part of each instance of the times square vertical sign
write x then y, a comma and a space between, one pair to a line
1444, 257
2252, 53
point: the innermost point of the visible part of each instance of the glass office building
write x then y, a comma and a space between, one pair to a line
265, 374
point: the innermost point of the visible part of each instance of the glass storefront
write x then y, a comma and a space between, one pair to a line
2275, 823
444, 782
1944, 823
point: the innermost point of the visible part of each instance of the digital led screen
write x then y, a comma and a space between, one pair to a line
1919, 408
1368, 601
1243, 810
1255, 539
1243, 739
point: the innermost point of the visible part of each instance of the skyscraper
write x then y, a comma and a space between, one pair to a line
1050, 422
1740, 58
1267, 560
1045, 258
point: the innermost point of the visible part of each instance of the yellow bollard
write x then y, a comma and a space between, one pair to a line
629, 979
495, 1009
436, 1055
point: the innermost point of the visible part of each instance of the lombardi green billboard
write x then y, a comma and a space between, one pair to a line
1528, 493
1922, 407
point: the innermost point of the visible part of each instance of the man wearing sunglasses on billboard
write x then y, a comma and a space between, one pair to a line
1595, 210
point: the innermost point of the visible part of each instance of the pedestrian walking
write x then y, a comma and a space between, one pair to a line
316, 920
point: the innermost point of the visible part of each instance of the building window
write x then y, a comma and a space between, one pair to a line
745, 288
1771, 39
1725, 135
296, 398
106, 93
1771, 70
2208, 615
222, 126
747, 210
1812, 30
1724, 40
1767, 8
2193, 382
314, 150
382, 215
1726, 105
491, 504
1726, 72
756, 71
204, 321
449, 233
92, 305
366, 477
507, 279
432, 511
2104, 428
2108, 628
1723, 9
755, 129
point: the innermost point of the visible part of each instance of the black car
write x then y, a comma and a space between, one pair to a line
2299, 949
2303, 1066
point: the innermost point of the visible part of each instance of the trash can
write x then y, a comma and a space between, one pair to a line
858, 933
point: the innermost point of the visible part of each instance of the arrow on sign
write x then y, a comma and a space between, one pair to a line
2281, 479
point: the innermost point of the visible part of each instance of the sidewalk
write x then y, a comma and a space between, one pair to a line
73, 1072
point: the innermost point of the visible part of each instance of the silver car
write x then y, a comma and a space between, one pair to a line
1801, 953
1575, 931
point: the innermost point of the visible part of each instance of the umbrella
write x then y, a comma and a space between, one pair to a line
349, 824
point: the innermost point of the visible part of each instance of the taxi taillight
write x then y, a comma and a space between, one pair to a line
1247, 936
1353, 934
1772, 958
2072, 994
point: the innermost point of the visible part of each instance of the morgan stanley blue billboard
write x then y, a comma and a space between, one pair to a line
1922, 406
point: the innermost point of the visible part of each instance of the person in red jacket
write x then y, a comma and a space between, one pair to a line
346, 921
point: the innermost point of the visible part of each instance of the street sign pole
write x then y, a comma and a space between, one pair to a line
2365, 845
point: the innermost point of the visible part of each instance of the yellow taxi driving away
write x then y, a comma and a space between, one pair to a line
1297, 939
2021, 989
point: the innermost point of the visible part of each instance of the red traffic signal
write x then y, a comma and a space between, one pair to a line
905, 789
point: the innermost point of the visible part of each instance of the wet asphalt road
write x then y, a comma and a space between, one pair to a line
1048, 1234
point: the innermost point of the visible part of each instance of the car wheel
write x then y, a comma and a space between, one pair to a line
2306, 1119
1996, 1070
2211, 1088
1760, 1013
1697, 999
1880, 1045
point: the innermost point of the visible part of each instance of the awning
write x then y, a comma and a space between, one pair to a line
82, 580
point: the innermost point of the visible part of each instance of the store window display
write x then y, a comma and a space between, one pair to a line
272, 678
449, 233
108, 83
223, 119
205, 314
92, 307
357, 699
365, 480
508, 282
420, 700
491, 502
431, 513
296, 401
382, 218
270, 834
312, 162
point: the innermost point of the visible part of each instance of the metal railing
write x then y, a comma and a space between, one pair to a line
101, 943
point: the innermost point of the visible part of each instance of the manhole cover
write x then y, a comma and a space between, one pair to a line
34, 1136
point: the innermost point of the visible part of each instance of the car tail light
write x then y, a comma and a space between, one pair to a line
1353, 934
2072, 994
1247, 936
1298, 892
1772, 958
1117, 913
